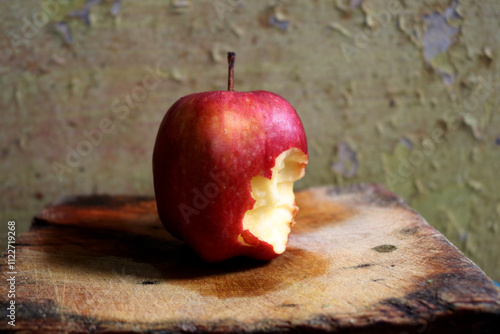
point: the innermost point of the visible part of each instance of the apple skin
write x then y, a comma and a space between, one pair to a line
208, 148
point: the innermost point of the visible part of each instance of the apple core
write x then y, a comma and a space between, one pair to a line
273, 213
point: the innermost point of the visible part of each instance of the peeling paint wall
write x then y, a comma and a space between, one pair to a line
404, 93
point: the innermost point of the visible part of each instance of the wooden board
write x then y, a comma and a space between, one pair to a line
359, 260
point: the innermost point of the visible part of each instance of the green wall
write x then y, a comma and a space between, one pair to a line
403, 93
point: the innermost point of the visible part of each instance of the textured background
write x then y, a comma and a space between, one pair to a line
404, 93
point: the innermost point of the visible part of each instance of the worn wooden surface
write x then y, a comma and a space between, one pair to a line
358, 260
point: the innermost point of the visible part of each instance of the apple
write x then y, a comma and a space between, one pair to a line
224, 164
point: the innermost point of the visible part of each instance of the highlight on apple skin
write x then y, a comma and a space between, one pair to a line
224, 164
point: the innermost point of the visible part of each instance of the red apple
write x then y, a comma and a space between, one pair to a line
224, 164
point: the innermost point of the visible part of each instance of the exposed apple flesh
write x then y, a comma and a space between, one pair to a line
273, 213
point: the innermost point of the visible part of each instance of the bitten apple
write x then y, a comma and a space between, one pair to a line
224, 164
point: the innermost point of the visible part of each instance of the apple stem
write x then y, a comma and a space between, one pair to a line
230, 78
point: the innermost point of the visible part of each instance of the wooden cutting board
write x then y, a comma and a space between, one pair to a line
358, 260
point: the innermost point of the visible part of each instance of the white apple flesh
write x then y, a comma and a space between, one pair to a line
273, 213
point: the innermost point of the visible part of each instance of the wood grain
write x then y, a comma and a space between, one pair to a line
359, 260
